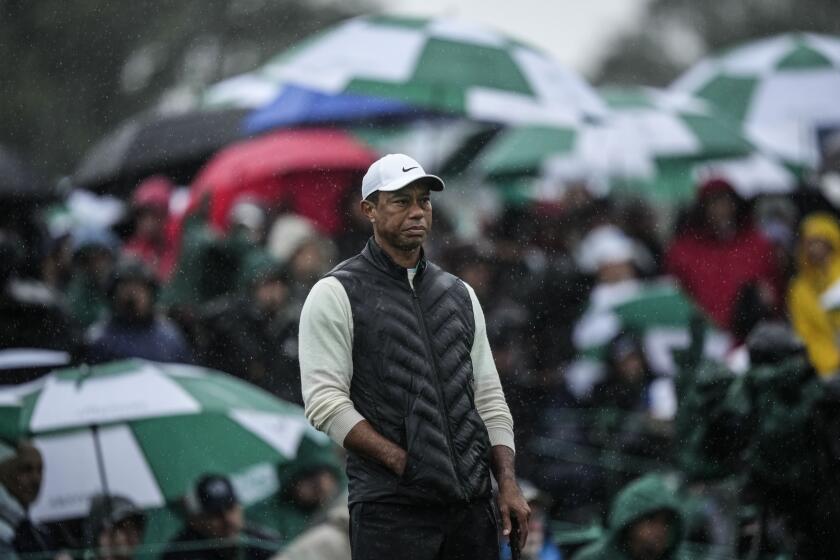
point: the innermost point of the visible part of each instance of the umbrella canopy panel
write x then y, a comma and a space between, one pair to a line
784, 89
658, 312
442, 64
305, 171
299, 106
158, 426
171, 145
655, 143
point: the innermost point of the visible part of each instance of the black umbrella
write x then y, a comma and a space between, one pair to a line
18, 182
175, 146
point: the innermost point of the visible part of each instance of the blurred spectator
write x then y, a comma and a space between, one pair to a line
628, 378
611, 256
814, 294
252, 334
754, 303
718, 251
133, 328
307, 488
36, 333
645, 523
21, 473
356, 229
208, 262
307, 254
612, 259
328, 539
777, 218
247, 217
473, 263
639, 221
149, 241
57, 266
540, 545
534, 266
114, 528
94, 254
216, 528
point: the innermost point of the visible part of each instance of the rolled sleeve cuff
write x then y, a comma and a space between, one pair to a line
501, 436
341, 424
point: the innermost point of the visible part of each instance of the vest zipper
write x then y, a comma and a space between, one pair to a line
419, 312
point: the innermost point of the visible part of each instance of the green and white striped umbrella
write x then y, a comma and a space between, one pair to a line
784, 89
657, 311
148, 430
441, 64
656, 143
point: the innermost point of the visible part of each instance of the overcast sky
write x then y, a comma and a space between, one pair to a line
576, 32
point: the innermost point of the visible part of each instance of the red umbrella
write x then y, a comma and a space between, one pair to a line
306, 171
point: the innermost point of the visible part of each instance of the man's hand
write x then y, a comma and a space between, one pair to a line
511, 502
364, 440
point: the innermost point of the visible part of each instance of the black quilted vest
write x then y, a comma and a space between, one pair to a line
413, 381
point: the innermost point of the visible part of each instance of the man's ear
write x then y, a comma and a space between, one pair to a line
369, 210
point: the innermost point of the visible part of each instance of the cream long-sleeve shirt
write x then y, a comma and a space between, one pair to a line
326, 366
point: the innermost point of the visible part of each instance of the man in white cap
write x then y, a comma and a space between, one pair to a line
396, 367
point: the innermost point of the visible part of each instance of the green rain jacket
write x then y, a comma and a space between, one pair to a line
640, 498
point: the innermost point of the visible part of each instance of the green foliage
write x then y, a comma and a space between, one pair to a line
72, 70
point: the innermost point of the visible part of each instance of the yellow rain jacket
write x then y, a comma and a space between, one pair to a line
817, 323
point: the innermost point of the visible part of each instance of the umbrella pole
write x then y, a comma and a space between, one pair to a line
100, 462
103, 478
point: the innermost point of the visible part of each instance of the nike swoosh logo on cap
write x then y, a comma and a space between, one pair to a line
409, 169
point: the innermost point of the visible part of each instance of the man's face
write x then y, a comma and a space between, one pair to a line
817, 251
223, 525
270, 296
27, 473
134, 300
150, 222
315, 490
649, 537
98, 264
631, 368
120, 541
402, 219
611, 273
308, 262
721, 213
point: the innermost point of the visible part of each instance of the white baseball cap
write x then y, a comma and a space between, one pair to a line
394, 171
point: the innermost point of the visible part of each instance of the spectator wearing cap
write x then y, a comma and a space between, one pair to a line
94, 255
150, 240
215, 527
253, 333
133, 328
396, 367
114, 528
719, 252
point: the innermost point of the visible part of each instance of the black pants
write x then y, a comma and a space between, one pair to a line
462, 532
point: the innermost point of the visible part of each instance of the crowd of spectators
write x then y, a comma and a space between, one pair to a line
596, 403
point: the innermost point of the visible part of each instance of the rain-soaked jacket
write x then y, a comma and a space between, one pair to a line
814, 297
643, 497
